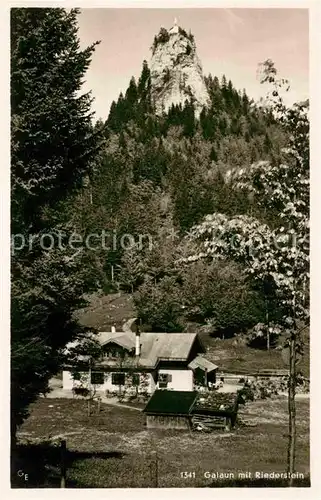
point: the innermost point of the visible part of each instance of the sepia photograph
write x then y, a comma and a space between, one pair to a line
160, 247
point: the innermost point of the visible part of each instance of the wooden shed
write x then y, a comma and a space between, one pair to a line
215, 410
170, 409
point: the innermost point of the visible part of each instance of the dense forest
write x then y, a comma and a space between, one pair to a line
158, 176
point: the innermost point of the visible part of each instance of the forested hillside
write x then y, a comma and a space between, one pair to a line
157, 177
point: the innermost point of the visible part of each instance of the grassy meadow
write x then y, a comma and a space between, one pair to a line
114, 449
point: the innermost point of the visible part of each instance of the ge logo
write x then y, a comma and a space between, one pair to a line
22, 475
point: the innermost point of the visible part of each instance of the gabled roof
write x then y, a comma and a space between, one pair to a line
123, 339
155, 347
165, 402
202, 363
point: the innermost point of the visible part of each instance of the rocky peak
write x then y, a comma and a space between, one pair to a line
176, 71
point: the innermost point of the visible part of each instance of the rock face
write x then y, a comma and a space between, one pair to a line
176, 71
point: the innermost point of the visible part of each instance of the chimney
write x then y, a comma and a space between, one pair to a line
113, 329
137, 341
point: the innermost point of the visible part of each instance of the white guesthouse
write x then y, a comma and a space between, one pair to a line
144, 362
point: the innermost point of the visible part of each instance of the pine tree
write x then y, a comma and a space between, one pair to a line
131, 97
216, 83
53, 148
144, 82
224, 83
52, 137
189, 119
112, 122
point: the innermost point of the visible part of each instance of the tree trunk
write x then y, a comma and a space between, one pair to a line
63, 449
292, 385
268, 324
292, 409
90, 387
100, 269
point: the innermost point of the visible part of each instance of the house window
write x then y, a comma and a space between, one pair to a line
97, 378
135, 379
114, 352
164, 379
76, 375
118, 378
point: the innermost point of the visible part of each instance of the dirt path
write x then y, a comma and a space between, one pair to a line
59, 393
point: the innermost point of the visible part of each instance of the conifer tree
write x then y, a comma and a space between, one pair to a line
144, 86
52, 137
130, 100
53, 148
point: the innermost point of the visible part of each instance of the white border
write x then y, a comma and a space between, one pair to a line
315, 91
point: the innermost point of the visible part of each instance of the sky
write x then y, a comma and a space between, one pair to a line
228, 41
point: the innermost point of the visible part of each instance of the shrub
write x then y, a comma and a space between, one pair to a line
245, 394
258, 335
80, 391
219, 294
159, 305
162, 37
